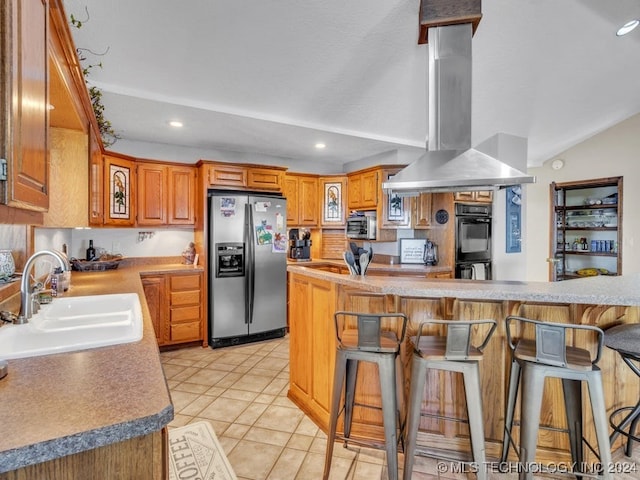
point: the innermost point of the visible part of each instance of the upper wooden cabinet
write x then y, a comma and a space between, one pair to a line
480, 196
152, 193
224, 175
181, 195
363, 189
395, 211
421, 211
301, 192
96, 180
24, 113
265, 179
119, 191
166, 194
245, 177
333, 190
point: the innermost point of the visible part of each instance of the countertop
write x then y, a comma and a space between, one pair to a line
597, 290
57, 405
397, 268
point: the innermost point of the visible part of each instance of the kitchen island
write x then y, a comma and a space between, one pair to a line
97, 413
315, 294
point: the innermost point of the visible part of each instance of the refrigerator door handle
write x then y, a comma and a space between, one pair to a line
249, 263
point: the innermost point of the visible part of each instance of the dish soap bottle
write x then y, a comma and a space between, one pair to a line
91, 252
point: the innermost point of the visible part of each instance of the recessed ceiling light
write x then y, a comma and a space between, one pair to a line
627, 27
175, 123
320, 145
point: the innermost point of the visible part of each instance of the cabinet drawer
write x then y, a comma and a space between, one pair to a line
185, 282
183, 332
227, 176
191, 297
264, 179
185, 314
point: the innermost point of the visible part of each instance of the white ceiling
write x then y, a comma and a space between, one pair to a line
276, 76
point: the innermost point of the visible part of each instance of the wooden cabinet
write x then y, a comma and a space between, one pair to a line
332, 192
153, 286
96, 180
142, 457
175, 303
245, 177
119, 191
586, 228
363, 189
312, 348
395, 211
24, 113
165, 193
265, 179
301, 192
185, 308
152, 192
480, 196
181, 195
421, 211
227, 175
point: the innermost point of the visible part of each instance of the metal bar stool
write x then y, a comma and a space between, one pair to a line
362, 337
548, 355
625, 339
453, 352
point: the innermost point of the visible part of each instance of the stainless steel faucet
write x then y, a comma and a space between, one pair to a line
27, 294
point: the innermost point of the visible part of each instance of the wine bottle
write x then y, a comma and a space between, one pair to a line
91, 252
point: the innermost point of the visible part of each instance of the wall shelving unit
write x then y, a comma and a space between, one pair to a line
586, 228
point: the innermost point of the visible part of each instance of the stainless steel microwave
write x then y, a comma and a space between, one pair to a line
361, 227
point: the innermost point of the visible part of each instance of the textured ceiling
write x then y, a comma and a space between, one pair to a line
276, 76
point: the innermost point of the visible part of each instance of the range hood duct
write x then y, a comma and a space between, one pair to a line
450, 164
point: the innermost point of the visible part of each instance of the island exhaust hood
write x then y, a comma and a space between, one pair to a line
450, 164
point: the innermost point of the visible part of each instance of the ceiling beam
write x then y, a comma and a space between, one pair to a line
435, 13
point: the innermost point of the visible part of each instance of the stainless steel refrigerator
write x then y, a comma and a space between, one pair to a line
247, 268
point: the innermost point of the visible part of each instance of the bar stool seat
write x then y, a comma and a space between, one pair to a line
548, 355
375, 338
452, 352
625, 339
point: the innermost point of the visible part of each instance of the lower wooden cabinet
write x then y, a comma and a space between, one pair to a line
142, 458
175, 304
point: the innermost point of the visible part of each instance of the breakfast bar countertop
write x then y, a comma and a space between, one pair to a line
598, 290
61, 404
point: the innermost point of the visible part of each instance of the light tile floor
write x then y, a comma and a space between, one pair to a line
242, 392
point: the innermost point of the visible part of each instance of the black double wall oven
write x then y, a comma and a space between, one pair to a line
473, 241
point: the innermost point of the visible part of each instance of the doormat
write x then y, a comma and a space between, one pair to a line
194, 452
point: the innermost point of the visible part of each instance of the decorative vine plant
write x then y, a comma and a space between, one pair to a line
107, 132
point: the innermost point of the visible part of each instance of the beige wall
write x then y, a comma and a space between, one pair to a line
614, 152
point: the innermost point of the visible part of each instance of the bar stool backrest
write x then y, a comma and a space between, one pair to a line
549, 344
366, 332
457, 340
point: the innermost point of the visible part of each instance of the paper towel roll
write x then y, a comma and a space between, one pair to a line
479, 271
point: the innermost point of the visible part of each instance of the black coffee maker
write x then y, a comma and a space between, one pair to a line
299, 245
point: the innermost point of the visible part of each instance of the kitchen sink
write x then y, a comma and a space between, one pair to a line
75, 323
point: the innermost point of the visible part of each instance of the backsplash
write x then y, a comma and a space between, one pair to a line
14, 238
130, 242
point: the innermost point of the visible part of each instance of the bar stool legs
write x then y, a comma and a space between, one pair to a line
533, 377
346, 368
512, 396
547, 354
418, 380
471, 377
